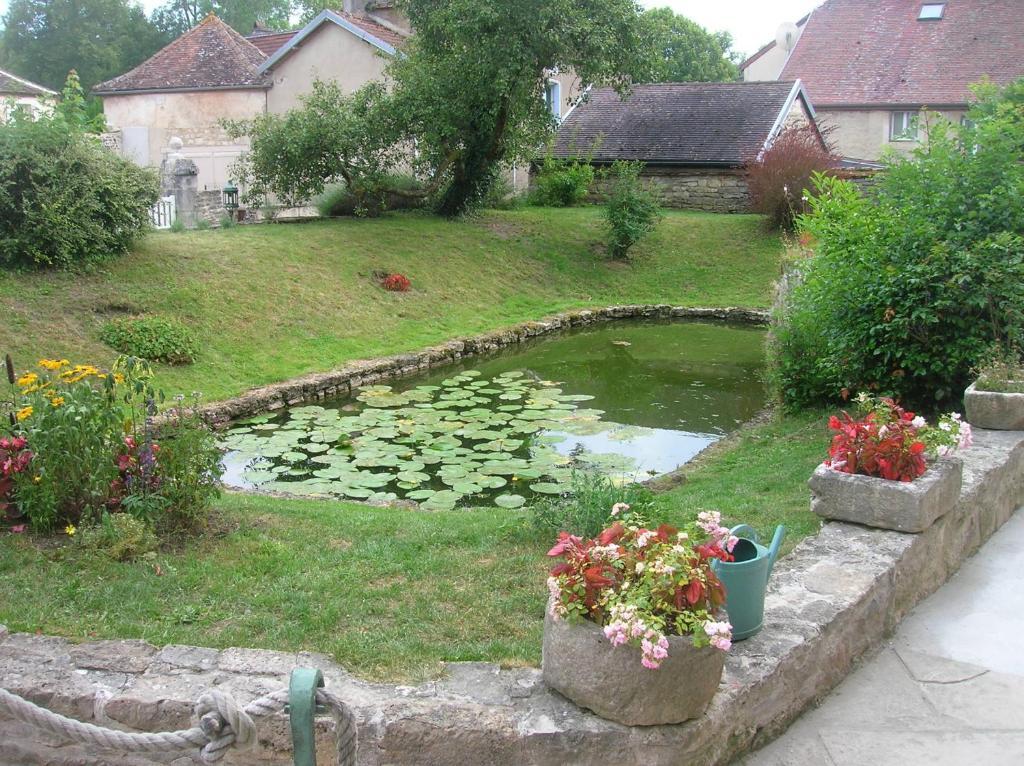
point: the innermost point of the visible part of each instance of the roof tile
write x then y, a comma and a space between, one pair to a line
719, 123
864, 52
12, 85
210, 55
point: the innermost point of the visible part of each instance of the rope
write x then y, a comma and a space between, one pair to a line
222, 725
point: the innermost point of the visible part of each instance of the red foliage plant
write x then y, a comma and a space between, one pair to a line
396, 283
880, 446
778, 178
14, 458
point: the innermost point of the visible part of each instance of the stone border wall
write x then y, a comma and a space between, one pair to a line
838, 594
362, 372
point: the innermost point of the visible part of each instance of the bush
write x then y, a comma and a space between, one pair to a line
583, 511
561, 183
65, 200
118, 536
396, 283
96, 448
632, 211
371, 200
151, 337
904, 293
998, 370
779, 178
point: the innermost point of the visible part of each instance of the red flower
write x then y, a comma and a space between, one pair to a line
398, 283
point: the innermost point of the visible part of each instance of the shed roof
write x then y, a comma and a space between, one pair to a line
12, 85
715, 124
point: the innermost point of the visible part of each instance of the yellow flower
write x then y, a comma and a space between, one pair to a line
57, 401
36, 479
53, 364
24, 413
27, 379
118, 377
70, 530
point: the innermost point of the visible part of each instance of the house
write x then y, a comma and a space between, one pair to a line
16, 91
212, 73
872, 67
694, 138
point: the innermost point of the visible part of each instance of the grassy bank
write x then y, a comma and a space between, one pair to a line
389, 593
273, 302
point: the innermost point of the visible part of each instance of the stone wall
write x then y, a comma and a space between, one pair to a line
362, 372
715, 190
838, 594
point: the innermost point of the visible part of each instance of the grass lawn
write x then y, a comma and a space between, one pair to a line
389, 592
272, 302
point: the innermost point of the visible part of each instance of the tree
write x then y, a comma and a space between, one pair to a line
44, 39
468, 90
175, 17
683, 51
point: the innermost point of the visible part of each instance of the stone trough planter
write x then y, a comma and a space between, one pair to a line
994, 409
903, 506
580, 663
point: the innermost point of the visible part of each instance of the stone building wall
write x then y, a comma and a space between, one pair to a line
715, 190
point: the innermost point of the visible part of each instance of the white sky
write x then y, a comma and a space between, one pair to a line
751, 23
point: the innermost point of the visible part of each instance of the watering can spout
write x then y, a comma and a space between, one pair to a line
773, 549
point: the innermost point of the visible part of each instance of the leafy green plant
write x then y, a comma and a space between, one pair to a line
65, 200
151, 337
583, 508
905, 291
227, 221
203, 224
118, 536
561, 183
369, 200
177, 226
632, 210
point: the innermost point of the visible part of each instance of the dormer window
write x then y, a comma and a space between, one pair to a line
931, 11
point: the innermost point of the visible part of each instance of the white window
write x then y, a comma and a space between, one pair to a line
553, 97
903, 126
931, 11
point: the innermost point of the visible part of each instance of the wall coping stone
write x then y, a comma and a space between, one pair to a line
835, 596
361, 372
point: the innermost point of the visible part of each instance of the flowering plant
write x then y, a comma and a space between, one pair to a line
15, 458
889, 442
643, 585
396, 283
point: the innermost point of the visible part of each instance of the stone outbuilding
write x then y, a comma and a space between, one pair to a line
16, 91
695, 139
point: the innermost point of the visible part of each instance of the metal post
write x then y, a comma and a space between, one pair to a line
301, 710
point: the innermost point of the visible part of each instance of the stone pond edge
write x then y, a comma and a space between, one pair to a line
361, 372
836, 596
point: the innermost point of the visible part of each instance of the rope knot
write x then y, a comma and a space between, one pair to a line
226, 723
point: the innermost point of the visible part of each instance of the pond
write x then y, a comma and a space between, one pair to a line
629, 399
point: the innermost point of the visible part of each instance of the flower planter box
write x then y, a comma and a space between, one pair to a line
580, 663
904, 506
994, 409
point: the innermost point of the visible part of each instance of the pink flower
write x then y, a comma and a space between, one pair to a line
619, 508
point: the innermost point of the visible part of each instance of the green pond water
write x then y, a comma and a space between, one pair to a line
631, 400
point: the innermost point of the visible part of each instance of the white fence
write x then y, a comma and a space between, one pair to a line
163, 213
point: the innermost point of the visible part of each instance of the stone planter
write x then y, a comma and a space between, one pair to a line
994, 409
581, 663
904, 506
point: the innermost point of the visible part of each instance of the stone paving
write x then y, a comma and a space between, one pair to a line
947, 690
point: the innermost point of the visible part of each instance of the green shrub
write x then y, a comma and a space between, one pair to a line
118, 536
632, 210
561, 183
584, 510
151, 337
65, 200
177, 226
227, 221
203, 224
370, 200
189, 466
905, 292
501, 195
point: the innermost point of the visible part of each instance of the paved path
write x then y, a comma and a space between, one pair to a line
947, 690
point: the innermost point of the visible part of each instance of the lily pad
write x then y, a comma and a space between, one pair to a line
509, 501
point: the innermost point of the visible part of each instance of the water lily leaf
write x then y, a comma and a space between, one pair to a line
509, 501
547, 488
466, 487
421, 494
413, 477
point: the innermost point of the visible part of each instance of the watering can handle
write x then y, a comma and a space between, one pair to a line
773, 549
749, 531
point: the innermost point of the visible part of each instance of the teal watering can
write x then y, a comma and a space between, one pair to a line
746, 579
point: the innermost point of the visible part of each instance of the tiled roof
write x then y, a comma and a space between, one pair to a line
12, 85
381, 32
862, 52
269, 42
719, 123
210, 55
